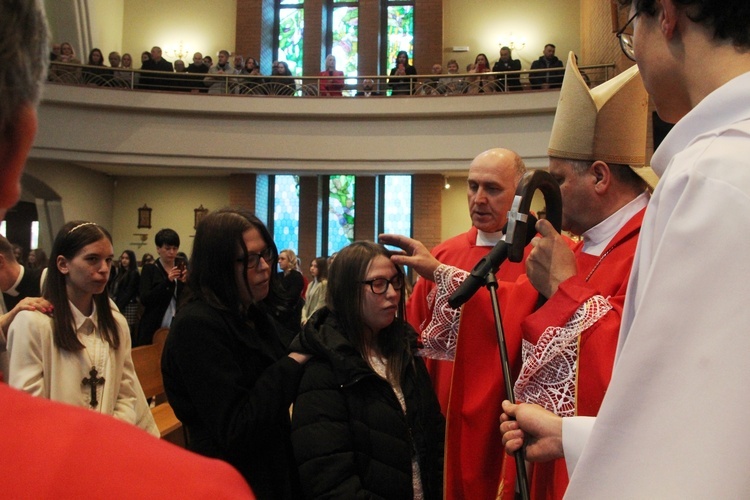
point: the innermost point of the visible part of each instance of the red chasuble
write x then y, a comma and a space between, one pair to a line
474, 453
580, 366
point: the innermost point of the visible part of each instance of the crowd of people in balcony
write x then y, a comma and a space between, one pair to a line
202, 75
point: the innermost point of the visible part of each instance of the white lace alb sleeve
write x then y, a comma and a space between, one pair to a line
549, 372
440, 335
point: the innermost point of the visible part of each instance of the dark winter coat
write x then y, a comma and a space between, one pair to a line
351, 438
231, 384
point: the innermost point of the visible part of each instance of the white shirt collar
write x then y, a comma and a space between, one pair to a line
596, 239
489, 239
79, 319
12, 290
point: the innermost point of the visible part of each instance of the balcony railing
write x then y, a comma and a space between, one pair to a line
311, 86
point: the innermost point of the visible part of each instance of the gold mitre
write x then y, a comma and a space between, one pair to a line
606, 123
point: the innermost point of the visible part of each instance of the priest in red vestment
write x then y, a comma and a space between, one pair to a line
472, 471
569, 343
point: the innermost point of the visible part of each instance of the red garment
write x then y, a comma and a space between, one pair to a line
52, 450
333, 86
474, 453
596, 345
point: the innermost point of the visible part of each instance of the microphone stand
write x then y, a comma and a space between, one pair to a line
520, 455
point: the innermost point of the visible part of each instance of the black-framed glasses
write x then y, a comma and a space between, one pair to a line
626, 39
253, 259
380, 285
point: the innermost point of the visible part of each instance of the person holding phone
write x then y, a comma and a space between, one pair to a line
402, 85
161, 286
481, 83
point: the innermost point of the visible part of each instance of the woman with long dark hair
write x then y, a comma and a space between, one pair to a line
124, 289
226, 373
366, 422
80, 355
398, 83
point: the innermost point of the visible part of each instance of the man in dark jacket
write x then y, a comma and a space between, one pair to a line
507, 63
547, 79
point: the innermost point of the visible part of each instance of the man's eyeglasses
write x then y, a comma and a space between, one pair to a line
626, 39
253, 259
380, 285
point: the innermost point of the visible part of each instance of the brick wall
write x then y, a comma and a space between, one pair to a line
308, 220
242, 191
426, 199
364, 225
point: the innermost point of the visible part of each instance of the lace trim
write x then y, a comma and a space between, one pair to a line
549, 372
440, 335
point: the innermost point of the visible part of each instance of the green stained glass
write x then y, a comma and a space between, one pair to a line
291, 33
400, 32
345, 39
340, 212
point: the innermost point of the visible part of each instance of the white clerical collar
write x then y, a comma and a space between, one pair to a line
596, 239
12, 290
79, 319
489, 239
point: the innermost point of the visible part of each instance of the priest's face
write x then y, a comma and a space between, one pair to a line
491, 188
577, 181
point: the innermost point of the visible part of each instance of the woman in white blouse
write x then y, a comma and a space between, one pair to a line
81, 354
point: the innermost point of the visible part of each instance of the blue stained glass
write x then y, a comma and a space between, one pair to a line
397, 204
340, 212
286, 212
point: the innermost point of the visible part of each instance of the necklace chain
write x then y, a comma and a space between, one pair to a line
596, 266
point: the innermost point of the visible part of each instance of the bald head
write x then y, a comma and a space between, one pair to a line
493, 178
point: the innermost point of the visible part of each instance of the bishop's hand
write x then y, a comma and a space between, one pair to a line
551, 261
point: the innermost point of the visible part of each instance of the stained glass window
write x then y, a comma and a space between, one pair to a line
286, 212
399, 32
345, 39
397, 204
291, 34
340, 212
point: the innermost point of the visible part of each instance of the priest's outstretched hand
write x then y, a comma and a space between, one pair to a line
551, 261
414, 254
533, 427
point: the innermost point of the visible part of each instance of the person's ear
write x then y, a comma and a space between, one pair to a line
15, 145
602, 174
62, 264
668, 18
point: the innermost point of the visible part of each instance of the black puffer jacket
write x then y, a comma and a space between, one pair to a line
351, 438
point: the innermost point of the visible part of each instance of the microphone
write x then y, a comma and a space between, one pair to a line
486, 265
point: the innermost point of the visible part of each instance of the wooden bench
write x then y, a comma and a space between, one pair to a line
147, 362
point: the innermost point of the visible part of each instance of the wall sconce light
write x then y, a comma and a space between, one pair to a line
141, 236
513, 42
447, 184
144, 217
200, 212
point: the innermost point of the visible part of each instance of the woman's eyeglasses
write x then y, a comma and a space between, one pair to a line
253, 259
380, 285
